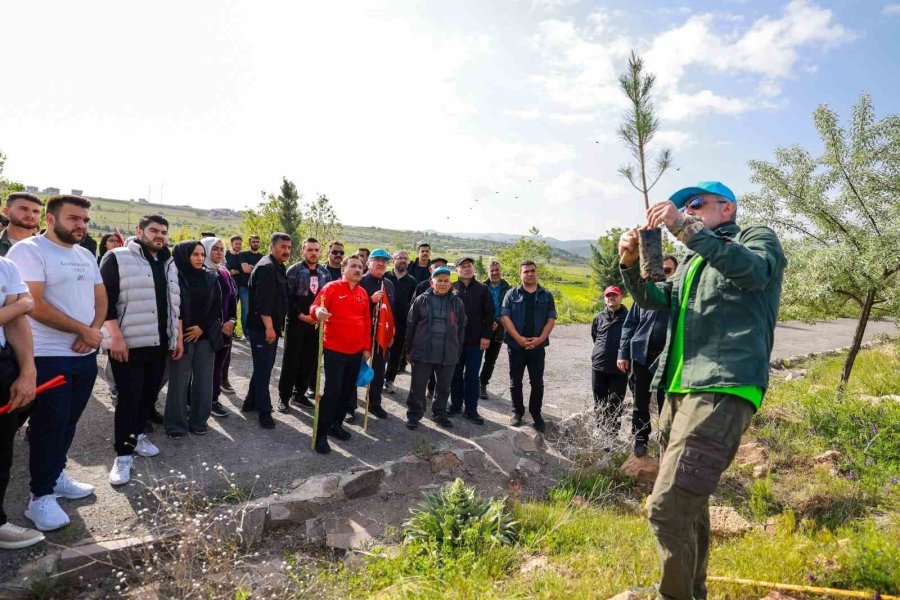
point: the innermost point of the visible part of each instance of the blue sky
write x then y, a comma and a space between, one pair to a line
456, 116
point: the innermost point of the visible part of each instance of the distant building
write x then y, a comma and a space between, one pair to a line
51, 191
77, 192
33, 189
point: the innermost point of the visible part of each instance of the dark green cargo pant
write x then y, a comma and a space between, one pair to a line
699, 436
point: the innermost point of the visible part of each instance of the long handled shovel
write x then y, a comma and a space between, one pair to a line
315, 425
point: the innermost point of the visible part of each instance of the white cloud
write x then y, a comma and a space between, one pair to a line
522, 113
599, 204
674, 139
550, 5
891, 10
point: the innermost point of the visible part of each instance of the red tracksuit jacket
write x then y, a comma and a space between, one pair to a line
348, 329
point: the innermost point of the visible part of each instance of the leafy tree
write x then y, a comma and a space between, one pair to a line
264, 220
839, 214
6, 186
605, 261
290, 214
526, 248
639, 128
321, 221
480, 271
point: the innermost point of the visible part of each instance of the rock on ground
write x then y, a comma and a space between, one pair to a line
724, 521
752, 453
643, 469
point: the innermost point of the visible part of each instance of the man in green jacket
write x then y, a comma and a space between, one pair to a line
723, 302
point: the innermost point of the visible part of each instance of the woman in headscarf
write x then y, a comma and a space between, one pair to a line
215, 263
191, 377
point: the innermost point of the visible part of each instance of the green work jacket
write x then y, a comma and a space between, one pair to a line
729, 323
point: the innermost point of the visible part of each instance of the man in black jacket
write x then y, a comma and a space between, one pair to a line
420, 269
265, 321
405, 288
479, 323
497, 287
374, 282
609, 382
643, 339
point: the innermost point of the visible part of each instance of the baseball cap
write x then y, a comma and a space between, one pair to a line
680, 197
463, 259
439, 259
612, 290
440, 271
380, 253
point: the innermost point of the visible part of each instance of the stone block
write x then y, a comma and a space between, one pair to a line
725, 522
643, 469
345, 533
444, 461
407, 473
362, 483
527, 467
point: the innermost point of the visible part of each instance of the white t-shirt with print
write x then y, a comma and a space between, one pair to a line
69, 276
11, 284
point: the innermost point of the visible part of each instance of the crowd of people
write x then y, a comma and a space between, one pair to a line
699, 342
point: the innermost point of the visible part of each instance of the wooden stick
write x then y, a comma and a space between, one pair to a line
802, 588
319, 361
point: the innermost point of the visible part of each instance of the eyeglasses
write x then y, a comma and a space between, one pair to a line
698, 202
337, 252
668, 270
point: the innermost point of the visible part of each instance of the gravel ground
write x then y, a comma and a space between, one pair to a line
263, 461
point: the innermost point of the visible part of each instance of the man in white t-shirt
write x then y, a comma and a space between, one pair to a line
69, 309
17, 383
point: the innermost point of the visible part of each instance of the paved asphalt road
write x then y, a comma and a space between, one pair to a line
272, 460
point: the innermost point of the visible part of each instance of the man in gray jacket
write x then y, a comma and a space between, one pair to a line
142, 320
435, 331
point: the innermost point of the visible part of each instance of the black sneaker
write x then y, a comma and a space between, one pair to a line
473, 416
322, 446
379, 412
247, 407
350, 418
226, 387
482, 393
454, 410
218, 410
412, 424
283, 406
175, 436
266, 421
516, 420
443, 422
640, 448
337, 431
539, 424
199, 431
156, 417
302, 401
389, 387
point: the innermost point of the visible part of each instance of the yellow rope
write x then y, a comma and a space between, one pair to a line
802, 588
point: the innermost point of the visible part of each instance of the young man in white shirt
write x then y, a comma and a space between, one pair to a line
69, 309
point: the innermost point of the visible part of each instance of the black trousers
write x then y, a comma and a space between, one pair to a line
9, 424
298, 366
341, 371
642, 377
609, 393
533, 361
138, 382
422, 374
377, 386
396, 352
490, 359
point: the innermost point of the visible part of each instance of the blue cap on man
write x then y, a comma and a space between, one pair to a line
680, 198
380, 253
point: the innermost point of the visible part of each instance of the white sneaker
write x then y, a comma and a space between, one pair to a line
120, 474
70, 489
13, 537
46, 514
145, 447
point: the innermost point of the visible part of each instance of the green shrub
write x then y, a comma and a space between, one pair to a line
762, 499
599, 487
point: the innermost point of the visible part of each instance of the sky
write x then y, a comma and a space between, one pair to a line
464, 116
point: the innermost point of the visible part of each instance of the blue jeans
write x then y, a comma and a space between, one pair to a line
465, 379
55, 416
244, 297
263, 362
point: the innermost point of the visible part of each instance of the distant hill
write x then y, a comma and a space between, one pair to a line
580, 248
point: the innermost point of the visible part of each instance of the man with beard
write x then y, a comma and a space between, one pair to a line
301, 338
420, 269
247, 260
335, 258
343, 310
142, 319
497, 287
265, 322
69, 309
479, 329
405, 286
374, 282
24, 213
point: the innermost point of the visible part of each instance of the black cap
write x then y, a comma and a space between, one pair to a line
463, 259
439, 259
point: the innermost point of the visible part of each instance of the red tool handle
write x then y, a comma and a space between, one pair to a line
47, 385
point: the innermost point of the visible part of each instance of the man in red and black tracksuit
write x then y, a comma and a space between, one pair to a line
343, 307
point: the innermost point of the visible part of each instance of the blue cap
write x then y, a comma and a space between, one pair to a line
680, 198
441, 271
366, 374
380, 253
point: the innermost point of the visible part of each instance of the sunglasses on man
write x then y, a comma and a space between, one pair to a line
698, 202
337, 252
